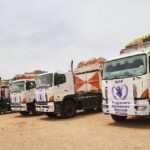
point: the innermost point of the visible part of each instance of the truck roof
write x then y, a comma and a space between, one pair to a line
44, 74
50, 73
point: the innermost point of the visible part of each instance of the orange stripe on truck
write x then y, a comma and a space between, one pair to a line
145, 94
94, 81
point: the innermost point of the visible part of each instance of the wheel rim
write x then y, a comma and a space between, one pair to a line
69, 110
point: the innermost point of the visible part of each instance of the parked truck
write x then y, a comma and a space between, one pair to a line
4, 96
126, 81
64, 93
22, 93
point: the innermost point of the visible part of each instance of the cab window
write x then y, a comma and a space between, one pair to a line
59, 79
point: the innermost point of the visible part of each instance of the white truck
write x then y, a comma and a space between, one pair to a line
22, 95
4, 96
126, 81
64, 93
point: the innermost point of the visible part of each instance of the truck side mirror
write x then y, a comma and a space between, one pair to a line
59, 79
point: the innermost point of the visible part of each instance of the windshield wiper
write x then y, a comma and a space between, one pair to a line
127, 74
111, 78
43, 86
131, 75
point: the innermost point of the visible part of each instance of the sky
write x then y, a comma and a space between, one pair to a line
48, 34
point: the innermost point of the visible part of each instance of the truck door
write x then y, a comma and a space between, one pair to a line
60, 86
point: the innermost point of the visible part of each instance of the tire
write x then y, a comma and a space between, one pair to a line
99, 109
8, 107
24, 113
50, 115
33, 109
118, 118
68, 109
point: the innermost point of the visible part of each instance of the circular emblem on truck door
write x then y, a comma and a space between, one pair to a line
41, 95
120, 91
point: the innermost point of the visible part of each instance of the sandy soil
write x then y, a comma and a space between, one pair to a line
93, 131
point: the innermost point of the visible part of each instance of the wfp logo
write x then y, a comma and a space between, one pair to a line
40, 95
120, 90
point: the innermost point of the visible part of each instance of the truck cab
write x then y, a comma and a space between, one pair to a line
4, 98
126, 83
51, 90
22, 94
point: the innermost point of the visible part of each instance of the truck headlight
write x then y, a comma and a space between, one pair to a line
141, 108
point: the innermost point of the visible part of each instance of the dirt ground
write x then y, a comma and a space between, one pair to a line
92, 131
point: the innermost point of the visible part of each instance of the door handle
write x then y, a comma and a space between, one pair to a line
65, 90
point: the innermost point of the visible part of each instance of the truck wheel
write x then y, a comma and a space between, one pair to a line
34, 112
68, 109
118, 118
24, 113
50, 115
33, 109
99, 109
8, 107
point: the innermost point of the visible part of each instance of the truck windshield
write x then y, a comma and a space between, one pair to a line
44, 80
17, 86
125, 67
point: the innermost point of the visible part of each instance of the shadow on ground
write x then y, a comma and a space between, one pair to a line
134, 122
6, 113
27, 116
79, 115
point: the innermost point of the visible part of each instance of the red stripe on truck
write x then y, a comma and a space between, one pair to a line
145, 94
78, 82
94, 81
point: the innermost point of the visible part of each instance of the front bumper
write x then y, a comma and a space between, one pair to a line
18, 107
45, 107
139, 108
